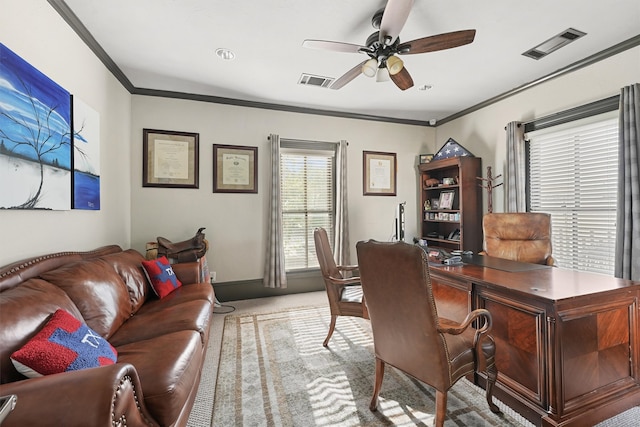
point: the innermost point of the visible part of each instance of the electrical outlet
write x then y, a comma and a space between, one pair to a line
213, 276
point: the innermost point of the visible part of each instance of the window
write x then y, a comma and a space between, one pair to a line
573, 175
308, 198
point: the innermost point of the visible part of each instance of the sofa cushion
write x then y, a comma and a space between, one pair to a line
24, 310
146, 324
161, 276
168, 366
63, 344
128, 265
98, 292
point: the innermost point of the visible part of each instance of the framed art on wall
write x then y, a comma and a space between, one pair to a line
235, 169
379, 173
170, 159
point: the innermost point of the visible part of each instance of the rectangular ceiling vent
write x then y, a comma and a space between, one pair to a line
311, 80
554, 43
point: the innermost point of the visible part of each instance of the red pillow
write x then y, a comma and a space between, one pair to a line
63, 344
161, 276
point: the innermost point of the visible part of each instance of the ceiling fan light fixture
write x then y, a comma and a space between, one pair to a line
370, 68
394, 65
382, 75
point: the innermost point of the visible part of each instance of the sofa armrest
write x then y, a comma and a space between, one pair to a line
107, 396
188, 272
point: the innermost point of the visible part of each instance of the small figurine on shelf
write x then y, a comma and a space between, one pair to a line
427, 205
489, 187
427, 182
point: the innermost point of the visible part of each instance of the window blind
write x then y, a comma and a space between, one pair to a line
573, 175
308, 198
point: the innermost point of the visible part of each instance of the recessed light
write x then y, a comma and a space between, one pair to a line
225, 54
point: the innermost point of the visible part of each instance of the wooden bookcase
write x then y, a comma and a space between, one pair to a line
465, 213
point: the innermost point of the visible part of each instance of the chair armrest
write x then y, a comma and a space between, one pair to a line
344, 282
106, 396
452, 328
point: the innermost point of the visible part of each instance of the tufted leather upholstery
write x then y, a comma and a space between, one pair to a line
407, 332
344, 294
161, 343
522, 236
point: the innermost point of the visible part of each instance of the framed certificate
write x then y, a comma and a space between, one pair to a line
235, 169
169, 159
379, 177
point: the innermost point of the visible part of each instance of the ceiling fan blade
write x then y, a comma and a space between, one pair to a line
403, 79
435, 43
395, 15
333, 46
348, 76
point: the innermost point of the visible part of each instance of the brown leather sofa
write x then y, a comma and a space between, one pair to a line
161, 343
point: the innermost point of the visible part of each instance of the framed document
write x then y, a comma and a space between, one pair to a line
170, 159
379, 173
235, 169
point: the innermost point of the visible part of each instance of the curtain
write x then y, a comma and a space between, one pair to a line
341, 250
627, 264
274, 272
515, 179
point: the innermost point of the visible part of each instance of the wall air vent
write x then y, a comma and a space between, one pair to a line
311, 80
554, 43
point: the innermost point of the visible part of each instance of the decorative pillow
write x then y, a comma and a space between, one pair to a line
161, 276
63, 344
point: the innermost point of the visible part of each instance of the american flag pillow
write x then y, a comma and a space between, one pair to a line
161, 276
63, 344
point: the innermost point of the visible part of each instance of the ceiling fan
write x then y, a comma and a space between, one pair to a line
383, 46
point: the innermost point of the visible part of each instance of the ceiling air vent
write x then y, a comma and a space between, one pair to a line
311, 80
554, 43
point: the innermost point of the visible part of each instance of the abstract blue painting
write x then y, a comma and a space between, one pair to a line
86, 156
35, 137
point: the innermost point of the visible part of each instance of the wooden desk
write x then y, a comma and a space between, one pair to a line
567, 342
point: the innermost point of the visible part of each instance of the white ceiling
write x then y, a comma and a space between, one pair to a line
170, 45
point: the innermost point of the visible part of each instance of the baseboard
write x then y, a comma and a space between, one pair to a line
299, 282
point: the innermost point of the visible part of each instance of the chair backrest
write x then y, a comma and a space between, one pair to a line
326, 260
404, 320
521, 236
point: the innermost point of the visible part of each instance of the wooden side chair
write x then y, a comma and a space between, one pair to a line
518, 236
344, 293
407, 332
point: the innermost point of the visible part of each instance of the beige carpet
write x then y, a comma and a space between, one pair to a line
285, 377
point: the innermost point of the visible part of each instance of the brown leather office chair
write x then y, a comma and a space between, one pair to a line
344, 293
521, 236
407, 332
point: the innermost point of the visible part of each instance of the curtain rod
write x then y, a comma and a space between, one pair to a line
307, 141
587, 110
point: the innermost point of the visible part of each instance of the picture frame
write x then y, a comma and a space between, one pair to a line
446, 199
235, 169
379, 173
425, 158
170, 159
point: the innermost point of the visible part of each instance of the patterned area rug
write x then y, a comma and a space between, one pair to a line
274, 371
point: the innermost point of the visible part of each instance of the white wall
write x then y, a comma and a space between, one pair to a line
35, 31
236, 223
482, 131
132, 215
